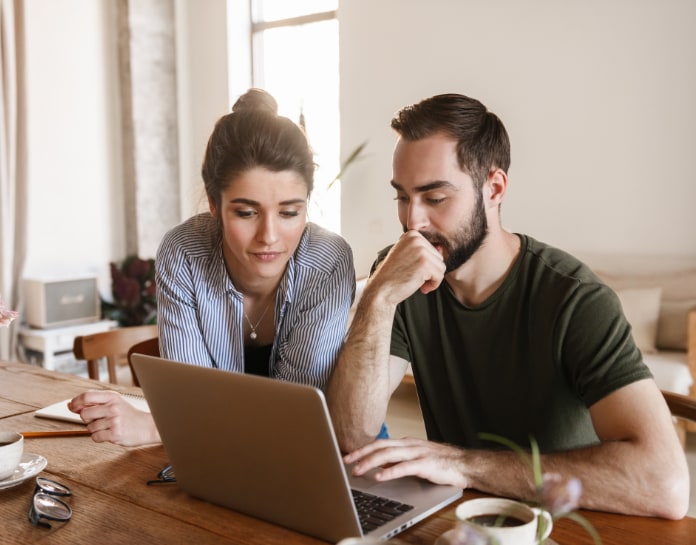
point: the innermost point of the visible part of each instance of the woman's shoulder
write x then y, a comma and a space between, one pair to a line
321, 247
195, 236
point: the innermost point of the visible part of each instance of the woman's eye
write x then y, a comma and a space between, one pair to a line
244, 213
289, 213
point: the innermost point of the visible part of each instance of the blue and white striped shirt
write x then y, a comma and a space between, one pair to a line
200, 313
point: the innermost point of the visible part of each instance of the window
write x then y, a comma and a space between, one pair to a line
294, 56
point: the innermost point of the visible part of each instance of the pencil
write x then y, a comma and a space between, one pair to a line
61, 433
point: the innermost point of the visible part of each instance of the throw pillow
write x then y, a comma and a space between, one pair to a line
642, 310
678, 297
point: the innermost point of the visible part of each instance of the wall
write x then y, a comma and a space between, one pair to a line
597, 97
75, 202
76, 179
202, 84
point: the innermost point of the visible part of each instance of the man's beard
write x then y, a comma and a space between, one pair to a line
465, 243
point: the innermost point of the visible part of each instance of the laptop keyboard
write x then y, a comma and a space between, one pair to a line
373, 511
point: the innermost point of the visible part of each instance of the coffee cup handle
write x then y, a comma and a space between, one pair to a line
548, 522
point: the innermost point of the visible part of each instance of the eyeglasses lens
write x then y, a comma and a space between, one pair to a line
46, 503
52, 487
51, 508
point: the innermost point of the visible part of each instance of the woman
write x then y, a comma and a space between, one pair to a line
251, 286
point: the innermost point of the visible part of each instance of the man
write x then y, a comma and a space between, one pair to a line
505, 335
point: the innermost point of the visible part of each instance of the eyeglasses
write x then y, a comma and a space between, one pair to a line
46, 503
165, 476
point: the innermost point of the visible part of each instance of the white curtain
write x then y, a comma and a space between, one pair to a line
13, 166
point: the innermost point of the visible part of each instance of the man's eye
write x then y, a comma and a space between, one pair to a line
436, 200
401, 198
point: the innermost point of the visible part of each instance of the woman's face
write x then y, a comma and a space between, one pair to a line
263, 215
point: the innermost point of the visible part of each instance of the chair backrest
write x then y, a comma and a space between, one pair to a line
681, 406
112, 345
149, 347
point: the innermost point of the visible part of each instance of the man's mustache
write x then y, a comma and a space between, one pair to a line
433, 238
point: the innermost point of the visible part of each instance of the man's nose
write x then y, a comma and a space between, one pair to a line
417, 218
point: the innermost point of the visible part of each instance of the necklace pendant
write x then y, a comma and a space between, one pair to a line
253, 335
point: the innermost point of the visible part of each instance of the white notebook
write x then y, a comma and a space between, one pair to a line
60, 411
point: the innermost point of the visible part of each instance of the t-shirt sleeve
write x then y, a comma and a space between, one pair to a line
596, 346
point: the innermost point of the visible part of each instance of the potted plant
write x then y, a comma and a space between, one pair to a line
134, 292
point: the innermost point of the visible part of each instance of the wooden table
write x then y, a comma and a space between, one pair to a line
112, 504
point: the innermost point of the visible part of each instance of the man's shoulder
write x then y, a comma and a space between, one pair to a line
552, 261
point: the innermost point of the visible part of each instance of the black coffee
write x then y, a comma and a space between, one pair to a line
496, 520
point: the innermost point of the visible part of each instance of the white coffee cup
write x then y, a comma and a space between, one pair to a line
11, 448
488, 515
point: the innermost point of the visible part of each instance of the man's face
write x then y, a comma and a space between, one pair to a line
437, 199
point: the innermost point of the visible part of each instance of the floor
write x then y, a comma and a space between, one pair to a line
404, 419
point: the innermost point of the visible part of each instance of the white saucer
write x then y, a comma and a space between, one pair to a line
29, 465
443, 539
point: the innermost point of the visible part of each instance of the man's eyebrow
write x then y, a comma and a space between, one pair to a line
251, 202
437, 184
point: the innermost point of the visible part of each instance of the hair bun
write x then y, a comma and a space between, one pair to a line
256, 100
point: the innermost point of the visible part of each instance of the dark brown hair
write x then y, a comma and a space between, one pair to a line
482, 141
254, 135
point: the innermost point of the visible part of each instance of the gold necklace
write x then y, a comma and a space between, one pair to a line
253, 335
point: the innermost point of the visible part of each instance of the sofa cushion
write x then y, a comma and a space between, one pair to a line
678, 297
641, 307
670, 371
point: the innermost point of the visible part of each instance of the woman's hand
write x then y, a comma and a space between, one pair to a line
109, 417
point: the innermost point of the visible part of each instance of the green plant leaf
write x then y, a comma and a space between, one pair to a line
349, 161
582, 521
509, 444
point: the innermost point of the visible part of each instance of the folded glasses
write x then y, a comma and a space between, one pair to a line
165, 476
46, 502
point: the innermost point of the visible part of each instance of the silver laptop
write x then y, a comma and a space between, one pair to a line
267, 448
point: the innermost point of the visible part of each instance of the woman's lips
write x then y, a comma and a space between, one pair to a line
266, 256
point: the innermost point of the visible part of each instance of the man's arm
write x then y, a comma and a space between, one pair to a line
364, 378
638, 468
366, 375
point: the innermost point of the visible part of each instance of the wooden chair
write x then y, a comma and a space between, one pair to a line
683, 409
681, 406
149, 347
112, 345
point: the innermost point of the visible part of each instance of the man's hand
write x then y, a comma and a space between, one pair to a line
412, 264
436, 462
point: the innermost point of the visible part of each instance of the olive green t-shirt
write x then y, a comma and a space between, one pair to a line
547, 344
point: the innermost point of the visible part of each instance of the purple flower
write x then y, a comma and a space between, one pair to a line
559, 495
6, 315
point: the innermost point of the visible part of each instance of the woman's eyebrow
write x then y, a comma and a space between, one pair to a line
251, 202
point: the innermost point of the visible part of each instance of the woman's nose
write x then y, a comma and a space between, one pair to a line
268, 230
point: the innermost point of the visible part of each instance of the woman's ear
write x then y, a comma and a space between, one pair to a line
211, 207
